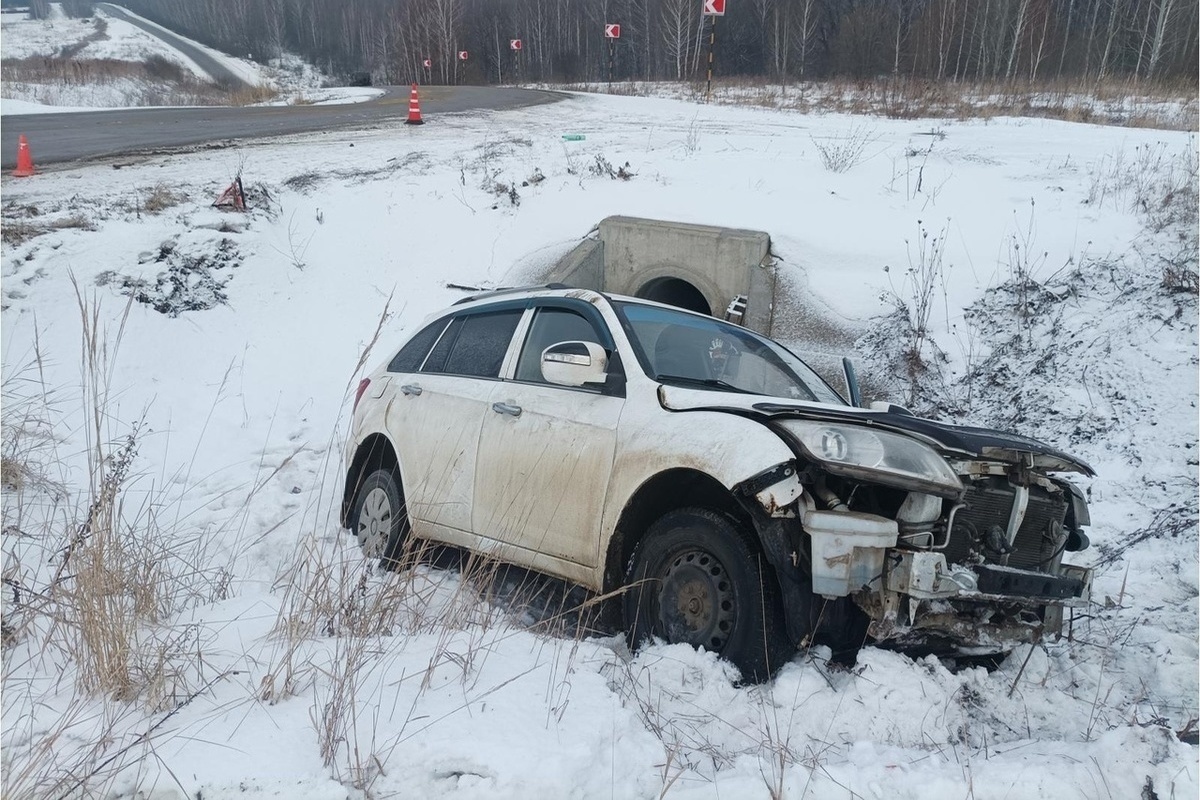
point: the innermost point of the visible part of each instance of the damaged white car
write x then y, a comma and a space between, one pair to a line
743, 505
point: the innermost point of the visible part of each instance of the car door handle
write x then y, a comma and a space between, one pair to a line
411, 389
505, 408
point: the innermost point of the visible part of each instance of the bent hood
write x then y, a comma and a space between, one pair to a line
952, 440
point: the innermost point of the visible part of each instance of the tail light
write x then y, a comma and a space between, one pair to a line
362, 387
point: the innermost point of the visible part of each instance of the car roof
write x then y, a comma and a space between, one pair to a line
563, 290
510, 292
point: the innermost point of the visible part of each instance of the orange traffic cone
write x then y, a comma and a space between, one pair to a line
414, 109
24, 159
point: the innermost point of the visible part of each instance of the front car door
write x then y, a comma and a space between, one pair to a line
546, 452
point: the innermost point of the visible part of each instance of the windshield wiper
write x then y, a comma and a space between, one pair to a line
710, 383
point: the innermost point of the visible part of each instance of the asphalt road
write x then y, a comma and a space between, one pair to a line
81, 136
214, 68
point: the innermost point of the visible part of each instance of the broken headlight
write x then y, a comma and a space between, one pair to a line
881, 456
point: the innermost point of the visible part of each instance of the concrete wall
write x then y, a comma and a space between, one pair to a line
721, 263
583, 267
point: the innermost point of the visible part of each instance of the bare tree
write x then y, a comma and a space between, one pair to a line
679, 18
1160, 31
1018, 34
945, 20
1042, 10
804, 32
941, 39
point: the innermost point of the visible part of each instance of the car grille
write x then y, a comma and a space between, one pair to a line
989, 504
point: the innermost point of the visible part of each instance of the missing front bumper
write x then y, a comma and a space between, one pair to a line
924, 601
926, 576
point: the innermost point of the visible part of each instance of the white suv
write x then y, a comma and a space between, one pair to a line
742, 504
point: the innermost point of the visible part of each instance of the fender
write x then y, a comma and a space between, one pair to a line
729, 449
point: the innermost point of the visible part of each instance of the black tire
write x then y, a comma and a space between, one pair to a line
697, 578
379, 519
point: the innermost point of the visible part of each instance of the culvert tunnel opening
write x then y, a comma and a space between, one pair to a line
675, 292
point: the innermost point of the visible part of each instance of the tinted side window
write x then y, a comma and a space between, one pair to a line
550, 326
412, 354
437, 356
480, 345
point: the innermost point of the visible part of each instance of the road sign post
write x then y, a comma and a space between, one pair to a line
712, 10
612, 32
515, 46
459, 66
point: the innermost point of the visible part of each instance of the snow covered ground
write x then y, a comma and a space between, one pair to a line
1114, 104
106, 37
243, 648
286, 666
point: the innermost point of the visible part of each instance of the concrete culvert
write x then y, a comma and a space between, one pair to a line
675, 292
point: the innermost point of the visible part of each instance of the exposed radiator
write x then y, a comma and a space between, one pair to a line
988, 505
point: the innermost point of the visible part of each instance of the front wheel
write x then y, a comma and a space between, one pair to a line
380, 520
696, 578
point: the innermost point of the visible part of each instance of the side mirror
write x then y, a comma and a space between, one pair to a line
574, 363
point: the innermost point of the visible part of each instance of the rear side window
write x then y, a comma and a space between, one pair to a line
441, 351
411, 356
474, 345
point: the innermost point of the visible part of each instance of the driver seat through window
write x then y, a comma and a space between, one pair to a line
682, 351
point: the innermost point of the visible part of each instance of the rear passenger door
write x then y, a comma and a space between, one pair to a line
436, 415
546, 452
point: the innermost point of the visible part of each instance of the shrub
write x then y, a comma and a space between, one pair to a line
841, 153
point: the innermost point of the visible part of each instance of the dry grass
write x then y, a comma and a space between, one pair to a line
93, 584
252, 95
842, 152
155, 81
1171, 106
72, 71
342, 618
1181, 279
29, 462
14, 232
1159, 184
19, 232
160, 198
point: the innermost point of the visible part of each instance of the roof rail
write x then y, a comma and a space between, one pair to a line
504, 290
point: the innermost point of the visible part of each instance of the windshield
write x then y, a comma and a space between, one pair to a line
690, 350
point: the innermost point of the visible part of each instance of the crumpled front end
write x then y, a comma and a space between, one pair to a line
988, 571
977, 572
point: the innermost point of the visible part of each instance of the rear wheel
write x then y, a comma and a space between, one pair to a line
698, 579
379, 520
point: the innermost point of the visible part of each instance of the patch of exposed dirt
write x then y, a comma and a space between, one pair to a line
189, 281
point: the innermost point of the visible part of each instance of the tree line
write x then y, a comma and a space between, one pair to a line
1030, 41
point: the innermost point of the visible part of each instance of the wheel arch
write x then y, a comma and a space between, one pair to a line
666, 491
375, 452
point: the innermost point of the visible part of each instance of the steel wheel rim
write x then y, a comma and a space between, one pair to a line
375, 521
697, 601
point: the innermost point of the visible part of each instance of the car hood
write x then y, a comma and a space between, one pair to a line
952, 440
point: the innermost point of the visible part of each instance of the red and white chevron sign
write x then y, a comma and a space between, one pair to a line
714, 8
612, 31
